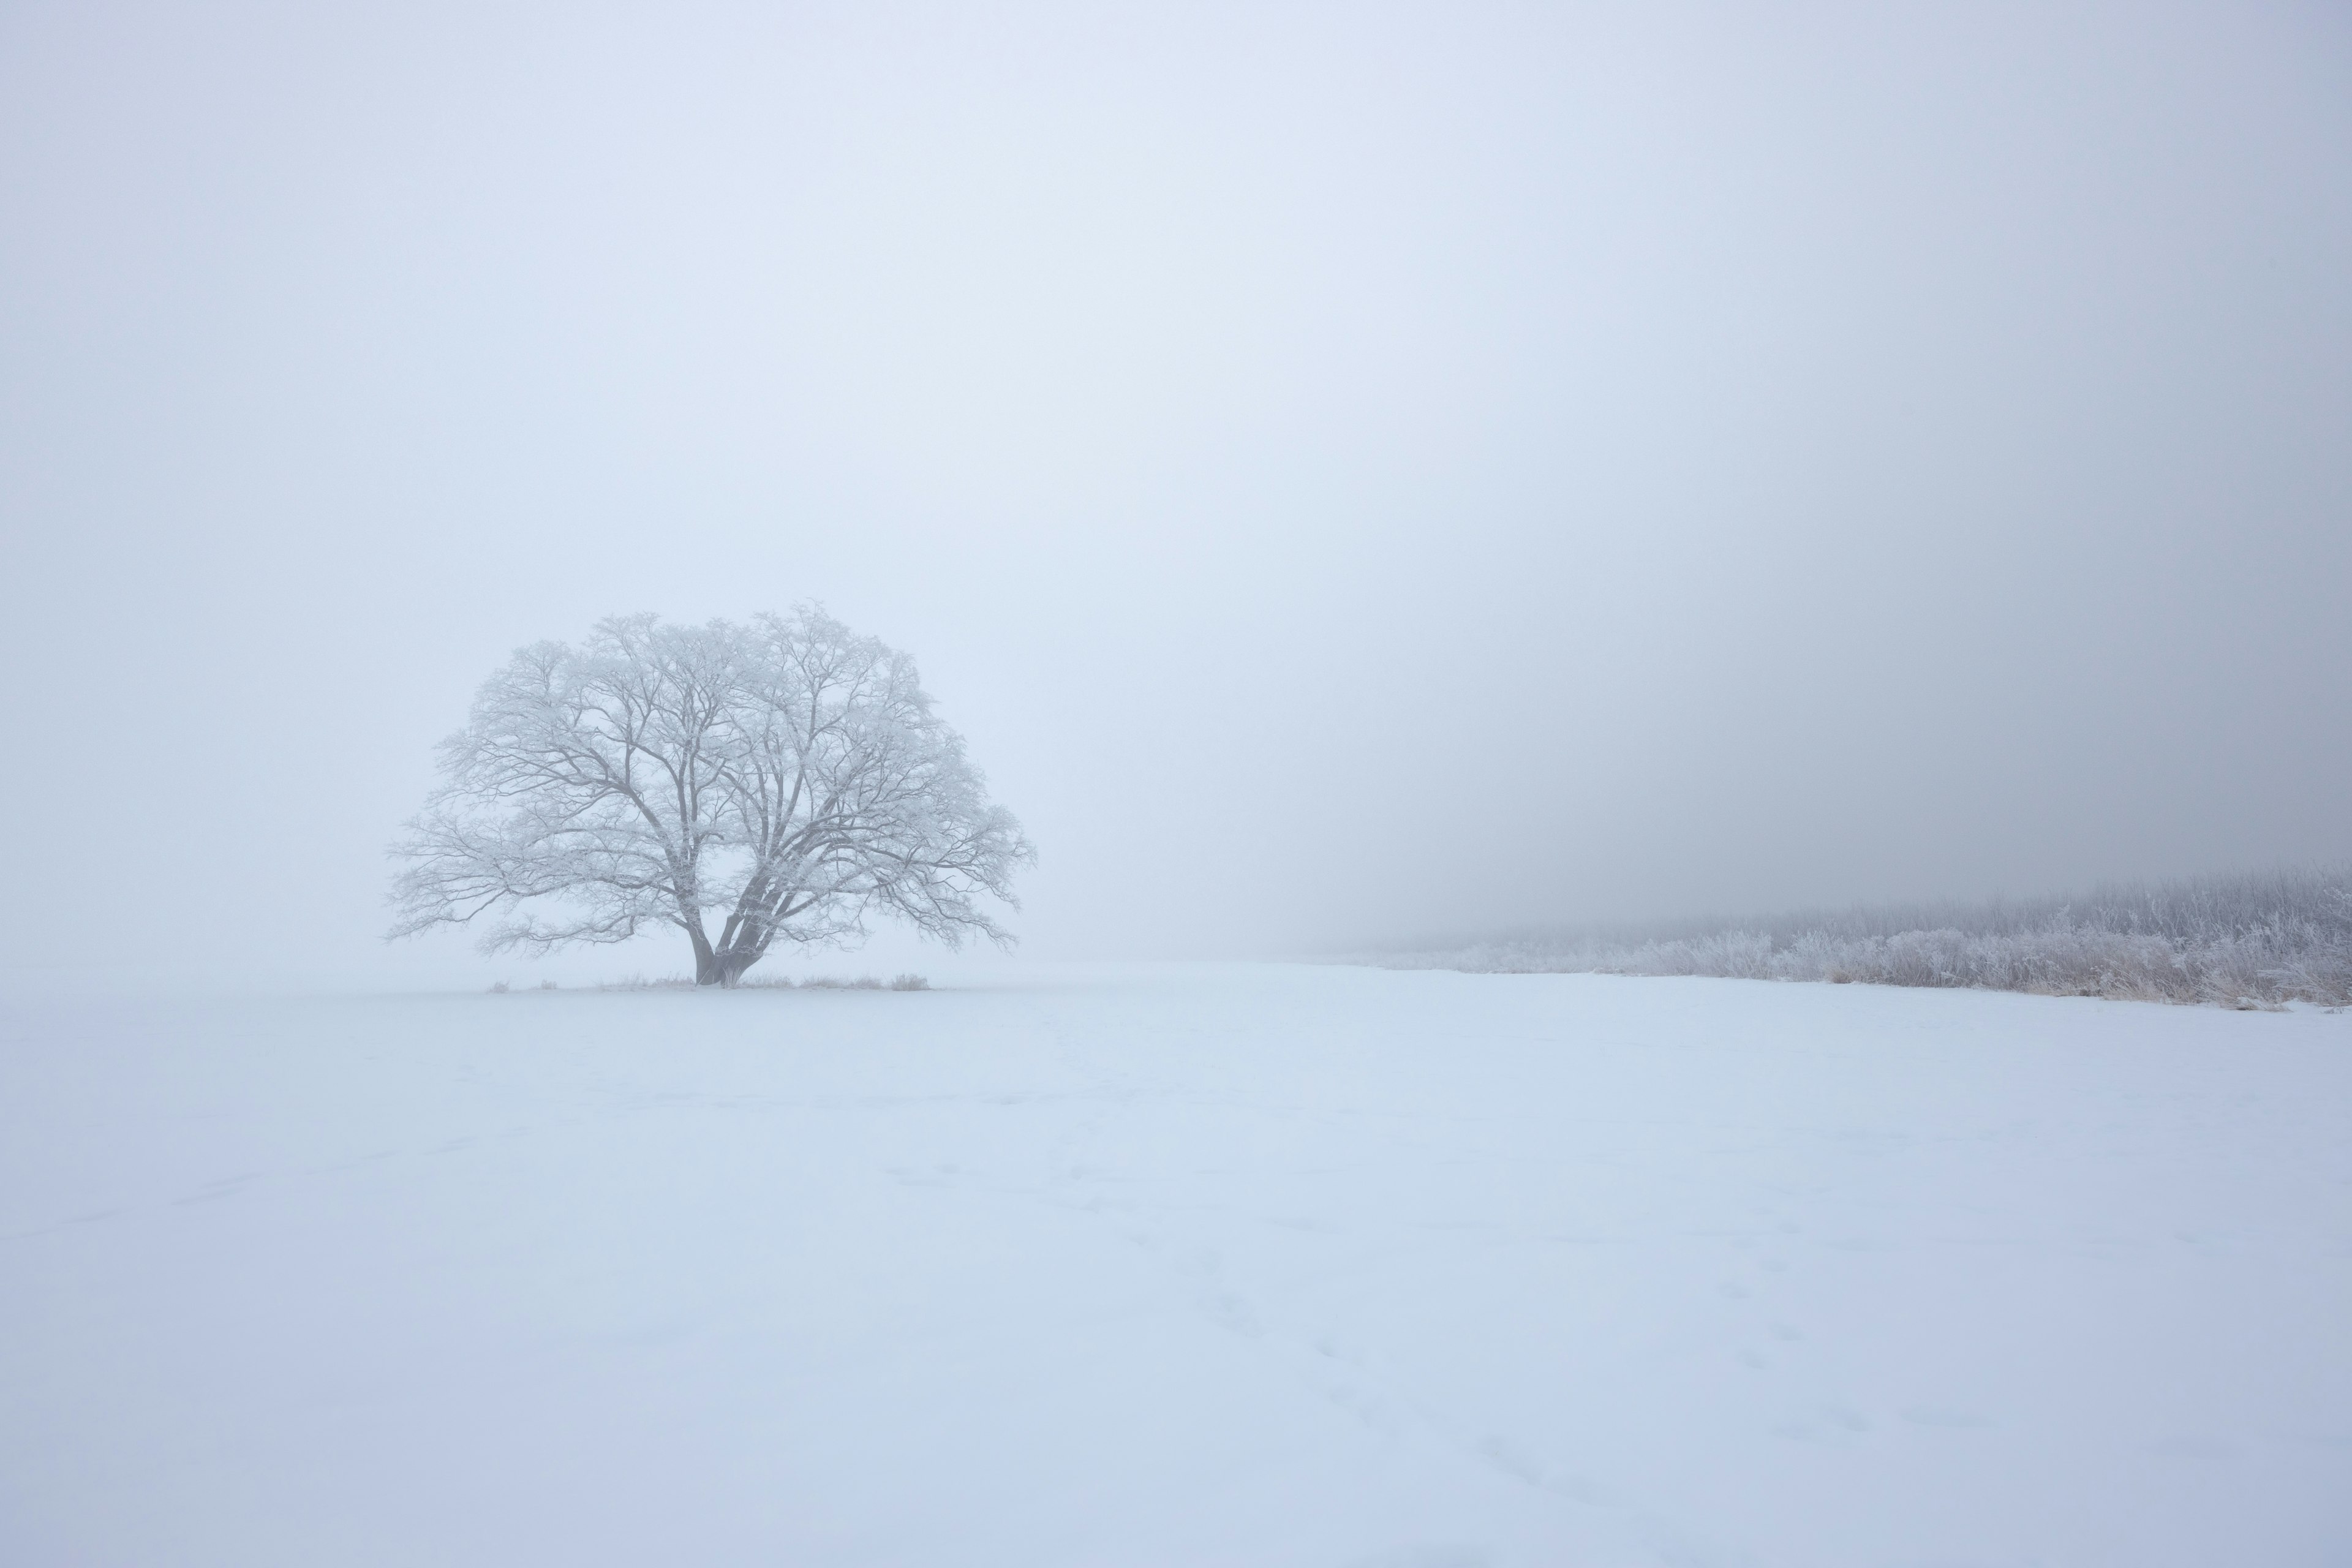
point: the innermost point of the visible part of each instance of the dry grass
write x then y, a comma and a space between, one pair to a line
768, 982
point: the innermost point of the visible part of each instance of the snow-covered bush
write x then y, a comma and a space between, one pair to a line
2258, 940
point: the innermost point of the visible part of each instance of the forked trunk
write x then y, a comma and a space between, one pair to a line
739, 949
721, 966
709, 967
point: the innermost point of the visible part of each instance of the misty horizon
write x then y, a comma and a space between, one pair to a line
1350, 476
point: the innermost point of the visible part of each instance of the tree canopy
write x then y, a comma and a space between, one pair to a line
784, 778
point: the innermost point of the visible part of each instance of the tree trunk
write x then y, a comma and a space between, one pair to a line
727, 965
707, 968
721, 966
724, 965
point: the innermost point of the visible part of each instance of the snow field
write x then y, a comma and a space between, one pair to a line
1220, 1266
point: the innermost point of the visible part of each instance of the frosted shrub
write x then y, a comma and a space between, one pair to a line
2244, 940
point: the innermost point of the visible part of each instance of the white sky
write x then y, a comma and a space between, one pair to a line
1351, 473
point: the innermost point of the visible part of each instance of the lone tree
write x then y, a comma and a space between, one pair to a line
785, 778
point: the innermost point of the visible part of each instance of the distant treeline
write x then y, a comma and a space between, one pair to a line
2260, 938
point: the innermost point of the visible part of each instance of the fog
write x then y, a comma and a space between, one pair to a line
1353, 474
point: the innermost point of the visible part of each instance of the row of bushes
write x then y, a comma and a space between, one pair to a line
2255, 941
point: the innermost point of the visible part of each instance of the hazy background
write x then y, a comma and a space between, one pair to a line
1354, 473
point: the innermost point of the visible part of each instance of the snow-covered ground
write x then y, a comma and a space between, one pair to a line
1213, 1266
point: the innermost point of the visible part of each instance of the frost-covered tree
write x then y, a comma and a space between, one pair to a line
783, 780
